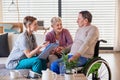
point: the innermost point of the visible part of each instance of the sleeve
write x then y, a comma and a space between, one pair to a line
23, 43
69, 39
47, 37
92, 37
50, 36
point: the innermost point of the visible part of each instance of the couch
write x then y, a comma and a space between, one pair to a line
11, 39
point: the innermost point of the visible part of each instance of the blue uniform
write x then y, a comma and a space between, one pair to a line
18, 60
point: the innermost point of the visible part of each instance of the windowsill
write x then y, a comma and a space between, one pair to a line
106, 51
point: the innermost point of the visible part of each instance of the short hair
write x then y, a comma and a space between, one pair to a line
86, 15
55, 20
28, 20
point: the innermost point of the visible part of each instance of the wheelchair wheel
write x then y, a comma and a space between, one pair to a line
97, 69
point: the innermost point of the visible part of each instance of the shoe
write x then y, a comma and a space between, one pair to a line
33, 75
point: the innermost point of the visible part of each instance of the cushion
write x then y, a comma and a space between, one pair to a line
11, 30
7, 26
4, 48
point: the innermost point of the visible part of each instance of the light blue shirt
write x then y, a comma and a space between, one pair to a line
22, 43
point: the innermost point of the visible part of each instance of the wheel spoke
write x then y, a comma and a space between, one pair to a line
103, 72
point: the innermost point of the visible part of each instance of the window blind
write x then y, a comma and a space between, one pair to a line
41, 9
103, 12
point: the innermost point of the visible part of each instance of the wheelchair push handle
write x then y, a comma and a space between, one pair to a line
96, 50
104, 41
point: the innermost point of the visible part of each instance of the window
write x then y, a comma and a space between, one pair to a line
103, 12
42, 9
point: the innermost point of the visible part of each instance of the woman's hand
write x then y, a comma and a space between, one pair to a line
45, 44
58, 49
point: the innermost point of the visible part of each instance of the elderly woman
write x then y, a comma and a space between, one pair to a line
60, 36
59, 39
25, 51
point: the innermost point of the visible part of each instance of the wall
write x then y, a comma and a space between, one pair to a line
0, 10
118, 24
117, 30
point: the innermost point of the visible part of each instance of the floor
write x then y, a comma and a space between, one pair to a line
114, 62
113, 59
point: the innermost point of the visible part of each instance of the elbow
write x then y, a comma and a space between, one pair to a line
28, 56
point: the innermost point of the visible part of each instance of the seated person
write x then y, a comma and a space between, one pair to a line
84, 42
25, 51
60, 36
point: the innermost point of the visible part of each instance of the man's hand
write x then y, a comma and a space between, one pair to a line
74, 57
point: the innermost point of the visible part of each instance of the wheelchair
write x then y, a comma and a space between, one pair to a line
96, 68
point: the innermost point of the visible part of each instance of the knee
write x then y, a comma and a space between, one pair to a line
53, 65
52, 58
37, 61
43, 61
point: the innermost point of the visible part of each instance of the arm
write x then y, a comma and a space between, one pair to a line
69, 39
65, 40
50, 36
29, 53
25, 46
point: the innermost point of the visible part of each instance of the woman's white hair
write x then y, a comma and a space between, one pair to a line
55, 20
